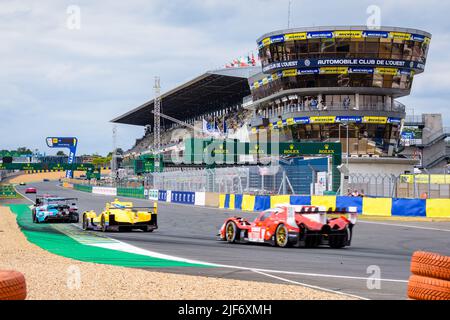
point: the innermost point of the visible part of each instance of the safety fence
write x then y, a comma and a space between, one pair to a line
435, 186
366, 206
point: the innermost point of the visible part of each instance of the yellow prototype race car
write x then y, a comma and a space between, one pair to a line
119, 216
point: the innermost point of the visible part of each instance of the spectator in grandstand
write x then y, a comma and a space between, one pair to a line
314, 104
346, 102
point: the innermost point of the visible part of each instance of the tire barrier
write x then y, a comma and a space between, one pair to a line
12, 285
368, 206
430, 279
430, 264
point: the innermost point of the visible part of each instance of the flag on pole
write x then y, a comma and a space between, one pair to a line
205, 125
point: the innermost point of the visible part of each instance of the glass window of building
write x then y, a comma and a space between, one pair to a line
328, 46
385, 48
408, 50
342, 48
377, 81
397, 49
291, 51
302, 48
357, 47
372, 47
314, 46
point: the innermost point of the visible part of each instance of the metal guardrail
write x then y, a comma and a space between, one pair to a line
328, 108
403, 186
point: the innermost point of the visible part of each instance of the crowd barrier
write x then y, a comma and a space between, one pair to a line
367, 206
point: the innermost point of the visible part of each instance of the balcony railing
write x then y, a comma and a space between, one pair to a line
282, 110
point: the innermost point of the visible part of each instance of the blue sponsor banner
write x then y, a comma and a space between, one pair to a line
409, 207
183, 197
227, 201
417, 37
262, 203
277, 39
344, 203
394, 120
404, 72
408, 135
361, 70
162, 195
354, 119
302, 120
319, 35
375, 34
300, 200
238, 201
307, 71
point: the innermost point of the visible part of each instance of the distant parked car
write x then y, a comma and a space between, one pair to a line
31, 190
23, 184
46, 180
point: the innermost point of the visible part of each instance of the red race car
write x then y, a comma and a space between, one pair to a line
289, 225
31, 190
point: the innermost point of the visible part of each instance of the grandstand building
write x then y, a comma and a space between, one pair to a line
314, 84
317, 81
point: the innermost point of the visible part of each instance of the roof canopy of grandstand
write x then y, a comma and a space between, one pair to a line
214, 90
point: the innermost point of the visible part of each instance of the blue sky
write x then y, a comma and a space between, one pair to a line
60, 82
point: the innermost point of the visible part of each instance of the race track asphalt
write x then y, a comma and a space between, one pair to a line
190, 232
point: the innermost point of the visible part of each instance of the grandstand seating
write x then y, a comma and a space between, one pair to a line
173, 135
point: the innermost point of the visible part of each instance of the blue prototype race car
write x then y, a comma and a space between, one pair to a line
55, 209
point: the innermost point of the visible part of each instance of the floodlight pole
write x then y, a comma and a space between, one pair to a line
157, 115
114, 154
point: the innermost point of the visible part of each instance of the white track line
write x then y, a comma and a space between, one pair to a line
404, 226
24, 195
308, 285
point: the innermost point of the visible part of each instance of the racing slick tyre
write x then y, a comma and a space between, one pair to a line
74, 218
424, 288
85, 222
12, 286
282, 236
231, 232
430, 264
103, 224
147, 229
338, 241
